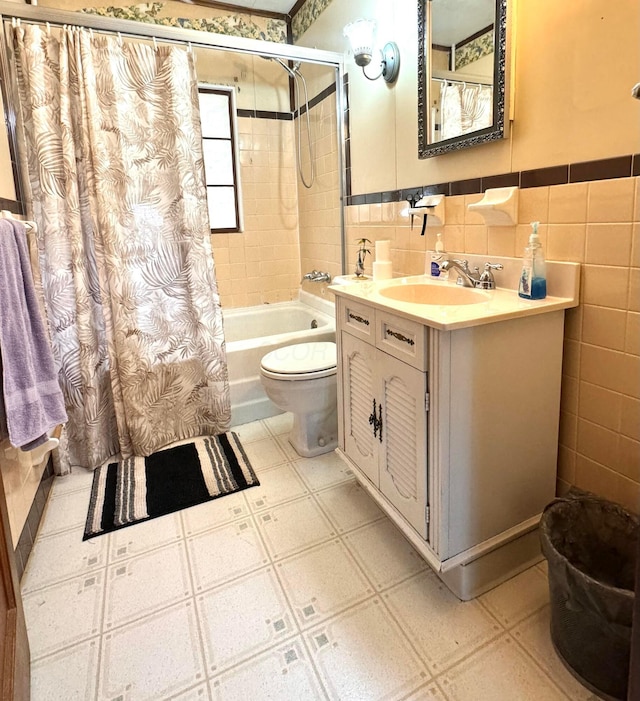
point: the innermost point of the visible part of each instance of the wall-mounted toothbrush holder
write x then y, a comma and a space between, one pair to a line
498, 207
431, 207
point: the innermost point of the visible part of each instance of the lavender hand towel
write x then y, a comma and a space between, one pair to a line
33, 401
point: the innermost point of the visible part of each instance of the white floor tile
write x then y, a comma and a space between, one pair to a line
499, 671
141, 537
349, 506
264, 453
533, 634
62, 556
362, 654
146, 583
199, 693
307, 551
443, 629
79, 480
65, 511
218, 512
277, 485
384, 554
242, 619
280, 423
64, 614
294, 526
224, 553
323, 471
287, 448
321, 582
430, 692
283, 673
70, 674
518, 597
254, 431
153, 658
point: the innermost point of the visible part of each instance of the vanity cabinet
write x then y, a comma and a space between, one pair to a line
454, 433
385, 426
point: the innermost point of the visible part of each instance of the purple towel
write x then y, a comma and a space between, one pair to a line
33, 402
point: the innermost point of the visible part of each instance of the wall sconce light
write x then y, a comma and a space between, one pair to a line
361, 37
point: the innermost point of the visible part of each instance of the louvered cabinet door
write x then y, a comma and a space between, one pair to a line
403, 451
358, 363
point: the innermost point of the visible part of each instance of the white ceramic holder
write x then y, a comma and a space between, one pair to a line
498, 207
431, 206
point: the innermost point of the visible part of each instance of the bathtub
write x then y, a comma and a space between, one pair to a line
252, 332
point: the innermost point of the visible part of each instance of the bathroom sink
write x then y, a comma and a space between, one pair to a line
420, 293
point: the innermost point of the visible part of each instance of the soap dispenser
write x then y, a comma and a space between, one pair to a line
533, 280
435, 259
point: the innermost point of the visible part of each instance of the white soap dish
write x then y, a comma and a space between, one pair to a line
498, 207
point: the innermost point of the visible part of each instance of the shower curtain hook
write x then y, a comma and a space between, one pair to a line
155, 44
119, 39
48, 26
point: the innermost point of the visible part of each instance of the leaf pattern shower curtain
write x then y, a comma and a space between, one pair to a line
465, 108
110, 139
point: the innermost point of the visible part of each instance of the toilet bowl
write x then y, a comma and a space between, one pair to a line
302, 379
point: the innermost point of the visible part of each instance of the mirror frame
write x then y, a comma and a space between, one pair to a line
497, 130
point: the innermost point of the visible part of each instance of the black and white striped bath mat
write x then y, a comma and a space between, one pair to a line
139, 489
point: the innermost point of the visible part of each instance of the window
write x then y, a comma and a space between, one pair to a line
220, 150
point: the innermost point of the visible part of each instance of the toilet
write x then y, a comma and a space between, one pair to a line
301, 378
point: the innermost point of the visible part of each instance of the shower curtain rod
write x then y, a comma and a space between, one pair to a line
131, 28
461, 82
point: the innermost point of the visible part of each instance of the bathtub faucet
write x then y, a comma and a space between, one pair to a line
316, 276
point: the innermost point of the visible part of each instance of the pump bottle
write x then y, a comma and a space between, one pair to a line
533, 280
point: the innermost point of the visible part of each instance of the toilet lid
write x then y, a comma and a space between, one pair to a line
301, 358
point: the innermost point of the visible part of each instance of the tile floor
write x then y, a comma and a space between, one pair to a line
298, 589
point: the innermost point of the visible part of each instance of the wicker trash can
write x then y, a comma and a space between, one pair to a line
590, 545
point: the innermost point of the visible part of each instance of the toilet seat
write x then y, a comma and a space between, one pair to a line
301, 361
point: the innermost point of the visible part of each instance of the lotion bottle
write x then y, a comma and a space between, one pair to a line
533, 280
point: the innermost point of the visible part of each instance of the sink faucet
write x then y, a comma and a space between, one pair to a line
473, 278
316, 276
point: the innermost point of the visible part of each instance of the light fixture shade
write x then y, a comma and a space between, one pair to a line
360, 35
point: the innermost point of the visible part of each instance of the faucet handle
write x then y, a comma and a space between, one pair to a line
486, 281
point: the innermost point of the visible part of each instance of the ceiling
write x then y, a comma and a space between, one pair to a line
281, 6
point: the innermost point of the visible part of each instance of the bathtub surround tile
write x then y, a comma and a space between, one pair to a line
342, 613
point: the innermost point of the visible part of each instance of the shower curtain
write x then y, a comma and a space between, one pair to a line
109, 140
465, 108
